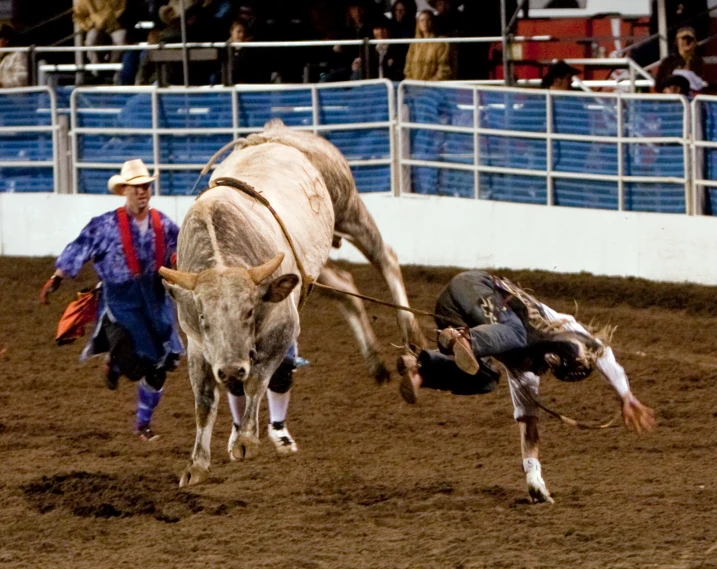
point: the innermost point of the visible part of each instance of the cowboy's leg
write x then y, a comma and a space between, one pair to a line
440, 372
91, 37
524, 393
495, 339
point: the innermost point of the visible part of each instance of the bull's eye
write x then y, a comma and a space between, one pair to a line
202, 321
249, 314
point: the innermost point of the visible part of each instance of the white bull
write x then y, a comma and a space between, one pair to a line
235, 285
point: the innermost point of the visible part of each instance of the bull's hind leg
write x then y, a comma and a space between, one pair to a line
353, 310
206, 403
357, 225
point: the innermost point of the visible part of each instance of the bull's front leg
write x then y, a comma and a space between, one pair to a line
206, 403
247, 440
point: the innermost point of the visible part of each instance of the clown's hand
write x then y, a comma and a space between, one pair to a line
636, 416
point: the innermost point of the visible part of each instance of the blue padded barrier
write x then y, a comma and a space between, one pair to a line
372, 178
190, 148
210, 109
658, 197
93, 181
13, 179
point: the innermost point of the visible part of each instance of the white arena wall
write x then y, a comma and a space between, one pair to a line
442, 231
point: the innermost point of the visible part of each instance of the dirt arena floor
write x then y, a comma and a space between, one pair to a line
377, 483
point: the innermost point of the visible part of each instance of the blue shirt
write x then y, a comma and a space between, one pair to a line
100, 241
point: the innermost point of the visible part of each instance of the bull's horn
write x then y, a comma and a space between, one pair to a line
186, 281
258, 274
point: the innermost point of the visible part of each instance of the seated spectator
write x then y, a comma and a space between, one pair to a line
676, 85
214, 18
13, 66
248, 65
686, 58
428, 61
356, 21
101, 17
559, 77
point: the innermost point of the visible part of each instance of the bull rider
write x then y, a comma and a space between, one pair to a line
528, 338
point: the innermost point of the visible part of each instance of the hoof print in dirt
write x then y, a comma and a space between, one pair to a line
96, 495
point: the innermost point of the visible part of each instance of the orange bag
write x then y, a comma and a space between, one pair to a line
77, 315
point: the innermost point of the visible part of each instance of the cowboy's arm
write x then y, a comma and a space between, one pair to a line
635, 415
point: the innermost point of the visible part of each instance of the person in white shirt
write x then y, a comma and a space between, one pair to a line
480, 316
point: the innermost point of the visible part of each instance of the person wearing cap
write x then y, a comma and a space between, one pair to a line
136, 325
480, 315
686, 59
559, 77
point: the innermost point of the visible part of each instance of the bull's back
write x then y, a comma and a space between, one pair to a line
296, 191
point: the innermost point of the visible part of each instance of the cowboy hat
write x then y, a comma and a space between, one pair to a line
133, 173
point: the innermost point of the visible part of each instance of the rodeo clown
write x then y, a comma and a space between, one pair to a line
135, 319
528, 338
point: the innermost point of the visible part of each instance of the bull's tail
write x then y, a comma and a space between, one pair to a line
241, 142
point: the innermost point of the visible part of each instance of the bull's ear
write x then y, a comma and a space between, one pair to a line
278, 289
262, 272
186, 281
178, 293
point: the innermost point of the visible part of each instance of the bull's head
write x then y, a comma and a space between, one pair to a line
222, 305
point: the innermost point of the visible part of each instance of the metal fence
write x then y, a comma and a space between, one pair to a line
28, 140
176, 131
607, 151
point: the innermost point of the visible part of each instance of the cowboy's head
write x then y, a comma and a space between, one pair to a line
135, 183
571, 356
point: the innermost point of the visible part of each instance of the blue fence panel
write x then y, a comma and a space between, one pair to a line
182, 182
347, 105
513, 187
519, 111
708, 119
596, 194
190, 148
29, 109
210, 109
93, 181
113, 110
293, 107
585, 157
509, 152
655, 197
372, 178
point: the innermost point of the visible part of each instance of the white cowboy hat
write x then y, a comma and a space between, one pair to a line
133, 173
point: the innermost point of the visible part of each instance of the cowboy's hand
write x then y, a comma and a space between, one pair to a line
636, 416
50, 286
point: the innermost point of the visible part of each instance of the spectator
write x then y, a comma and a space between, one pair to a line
13, 66
676, 85
403, 14
559, 77
101, 17
686, 58
214, 19
248, 64
447, 19
385, 61
327, 63
356, 21
428, 61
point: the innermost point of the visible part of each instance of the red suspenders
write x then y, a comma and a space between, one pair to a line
128, 247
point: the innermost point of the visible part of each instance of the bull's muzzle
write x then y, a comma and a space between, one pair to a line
233, 376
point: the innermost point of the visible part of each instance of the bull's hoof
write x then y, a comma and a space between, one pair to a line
245, 448
380, 373
193, 475
284, 443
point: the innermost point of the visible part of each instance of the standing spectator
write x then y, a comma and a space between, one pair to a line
403, 14
428, 61
136, 323
686, 58
13, 66
385, 61
356, 25
447, 21
248, 64
101, 17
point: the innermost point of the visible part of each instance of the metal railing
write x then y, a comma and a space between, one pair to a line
533, 146
309, 118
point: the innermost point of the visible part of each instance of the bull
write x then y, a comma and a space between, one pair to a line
238, 283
